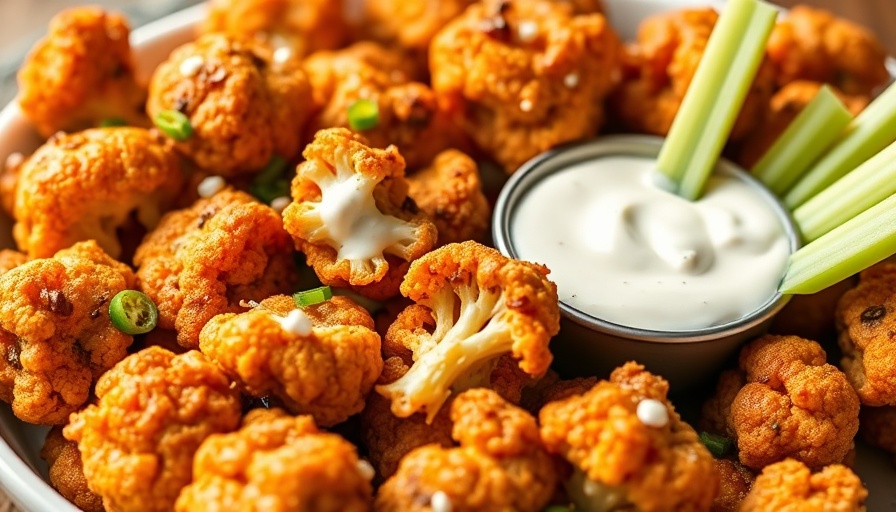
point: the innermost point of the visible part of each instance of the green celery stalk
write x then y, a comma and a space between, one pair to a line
869, 184
855, 245
871, 132
709, 108
805, 139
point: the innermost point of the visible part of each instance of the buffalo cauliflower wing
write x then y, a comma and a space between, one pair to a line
480, 305
410, 24
338, 310
56, 337
352, 217
67, 473
243, 109
623, 458
498, 465
153, 411
525, 76
876, 425
736, 481
81, 74
87, 185
790, 486
207, 259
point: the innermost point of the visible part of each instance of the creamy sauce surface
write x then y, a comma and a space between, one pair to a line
622, 248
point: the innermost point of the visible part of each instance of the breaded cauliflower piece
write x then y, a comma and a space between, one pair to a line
813, 44
877, 427
525, 76
277, 462
410, 24
619, 460
736, 481
339, 310
10, 259
56, 338
790, 486
865, 318
352, 217
483, 305
81, 74
319, 370
285, 28
450, 192
203, 261
409, 114
87, 185
243, 109
790, 404
154, 409
499, 465
660, 65
67, 473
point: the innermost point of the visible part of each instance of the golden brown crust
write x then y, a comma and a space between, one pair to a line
736, 481
10, 259
790, 485
67, 473
339, 310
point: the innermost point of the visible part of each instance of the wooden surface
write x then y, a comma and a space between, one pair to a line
877, 15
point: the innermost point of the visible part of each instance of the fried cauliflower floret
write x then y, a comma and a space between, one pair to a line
286, 28
498, 465
87, 185
205, 260
339, 310
81, 74
660, 66
352, 217
482, 305
791, 404
865, 319
790, 486
736, 481
450, 192
277, 462
813, 44
10, 259
67, 473
323, 371
243, 109
410, 24
56, 338
526, 76
619, 460
154, 409
876, 425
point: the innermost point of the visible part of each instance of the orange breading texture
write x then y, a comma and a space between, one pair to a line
81, 73
499, 465
87, 185
599, 432
333, 221
203, 261
410, 24
56, 338
154, 409
243, 108
67, 473
525, 76
865, 318
736, 481
790, 404
337, 311
877, 427
790, 485
325, 374
10, 259
813, 44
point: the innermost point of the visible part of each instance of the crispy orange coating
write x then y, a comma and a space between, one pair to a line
813, 44
651, 468
339, 310
865, 320
205, 260
450, 192
243, 108
499, 465
56, 338
81, 74
736, 481
352, 217
10, 259
154, 409
526, 76
277, 462
790, 486
67, 472
877, 427
87, 185
410, 24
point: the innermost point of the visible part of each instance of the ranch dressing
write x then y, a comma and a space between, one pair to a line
625, 250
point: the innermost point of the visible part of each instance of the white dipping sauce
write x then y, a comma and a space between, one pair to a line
623, 249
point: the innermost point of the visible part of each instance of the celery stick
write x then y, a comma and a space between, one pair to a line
869, 184
847, 249
871, 131
716, 94
804, 140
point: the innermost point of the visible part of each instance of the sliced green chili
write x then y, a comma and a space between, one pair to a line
313, 296
132, 312
174, 124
